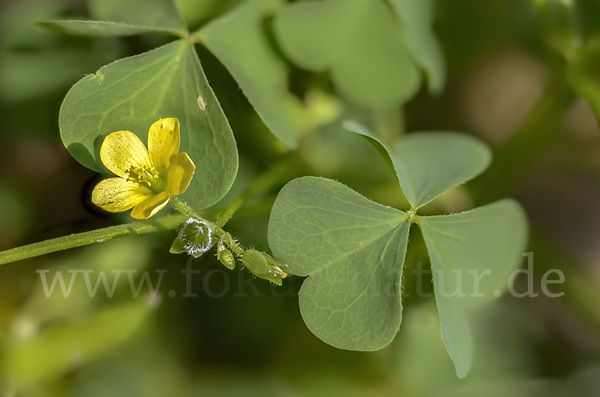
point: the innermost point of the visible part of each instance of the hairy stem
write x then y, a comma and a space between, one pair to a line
87, 238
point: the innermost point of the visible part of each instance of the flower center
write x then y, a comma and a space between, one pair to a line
148, 177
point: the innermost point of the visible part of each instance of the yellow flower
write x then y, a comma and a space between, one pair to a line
146, 177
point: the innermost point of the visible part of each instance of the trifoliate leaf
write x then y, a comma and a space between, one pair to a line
352, 251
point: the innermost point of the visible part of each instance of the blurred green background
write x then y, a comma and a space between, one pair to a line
521, 75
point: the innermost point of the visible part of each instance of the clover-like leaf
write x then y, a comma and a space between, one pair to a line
429, 163
239, 41
416, 17
103, 28
358, 42
132, 93
472, 256
148, 13
352, 249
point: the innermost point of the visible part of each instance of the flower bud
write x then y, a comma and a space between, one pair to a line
195, 238
227, 258
263, 266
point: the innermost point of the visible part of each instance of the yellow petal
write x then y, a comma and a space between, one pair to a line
117, 194
150, 206
163, 142
180, 174
122, 151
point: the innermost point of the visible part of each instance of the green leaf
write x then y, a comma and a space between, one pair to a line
358, 42
132, 93
429, 163
62, 347
239, 41
352, 249
472, 256
417, 17
148, 13
102, 28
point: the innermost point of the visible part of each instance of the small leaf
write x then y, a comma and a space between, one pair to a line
132, 93
149, 13
472, 256
102, 28
358, 42
429, 163
352, 249
416, 17
239, 41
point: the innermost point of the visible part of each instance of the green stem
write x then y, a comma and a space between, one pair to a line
230, 242
87, 238
185, 209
